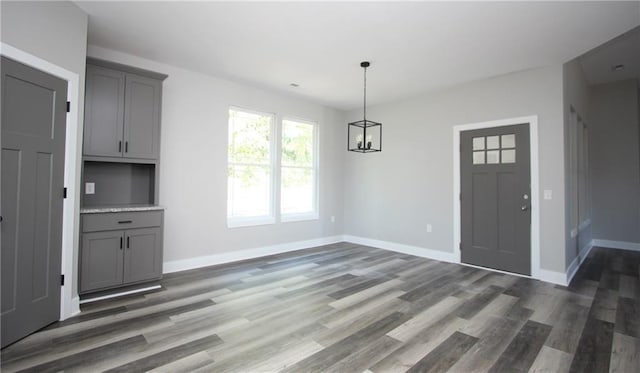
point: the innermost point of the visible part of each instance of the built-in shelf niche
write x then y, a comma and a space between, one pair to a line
119, 184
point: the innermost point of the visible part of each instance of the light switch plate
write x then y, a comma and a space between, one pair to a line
429, 228
547, 194
90, 188
333, 219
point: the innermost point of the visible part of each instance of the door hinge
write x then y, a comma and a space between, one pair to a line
460, 246
64, 193
68, 106
61, 280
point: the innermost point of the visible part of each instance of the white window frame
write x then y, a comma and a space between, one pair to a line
235, 221
314, 214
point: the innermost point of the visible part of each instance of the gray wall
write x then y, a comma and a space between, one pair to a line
193, 170
393, 195
55, 32
575, 91
615, 161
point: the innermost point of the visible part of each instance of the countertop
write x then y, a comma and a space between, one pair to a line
126, 208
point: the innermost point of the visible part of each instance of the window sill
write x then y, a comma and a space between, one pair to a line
299, 217
249, 222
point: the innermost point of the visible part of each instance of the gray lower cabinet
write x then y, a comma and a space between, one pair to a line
102, 260
142, 255
112, 256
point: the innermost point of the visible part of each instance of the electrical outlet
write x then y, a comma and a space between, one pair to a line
429, 228
547, 194
90, 188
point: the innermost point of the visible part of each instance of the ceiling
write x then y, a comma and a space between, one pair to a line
414, 47
599, 64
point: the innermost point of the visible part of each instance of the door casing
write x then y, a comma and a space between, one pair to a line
535, 188
69, 302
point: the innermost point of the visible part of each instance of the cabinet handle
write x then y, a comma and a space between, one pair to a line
120, 243
127, 242
125, 221
126, 146
119, 146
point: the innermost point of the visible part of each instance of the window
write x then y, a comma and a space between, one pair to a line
494, 149
260, 168
298, 172
250, 178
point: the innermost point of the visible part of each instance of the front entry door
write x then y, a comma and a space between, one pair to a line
496, 198
33, 111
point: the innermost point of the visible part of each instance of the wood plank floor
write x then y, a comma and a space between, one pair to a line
350, 308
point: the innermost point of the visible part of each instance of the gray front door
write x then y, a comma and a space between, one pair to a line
33, 111
495, 200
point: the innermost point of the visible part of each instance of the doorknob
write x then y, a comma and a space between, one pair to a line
524, 208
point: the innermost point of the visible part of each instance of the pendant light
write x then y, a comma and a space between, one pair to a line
364, 136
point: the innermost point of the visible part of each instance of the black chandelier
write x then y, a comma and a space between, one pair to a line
364, 136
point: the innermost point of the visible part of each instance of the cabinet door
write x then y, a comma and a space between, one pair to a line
102, 256
143, 254
104, 112
142, 117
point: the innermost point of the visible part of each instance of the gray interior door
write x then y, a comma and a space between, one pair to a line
33, 108
495, 199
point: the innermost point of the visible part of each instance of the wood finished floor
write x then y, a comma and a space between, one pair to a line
349, 308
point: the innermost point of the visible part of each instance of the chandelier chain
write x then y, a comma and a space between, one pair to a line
365, 94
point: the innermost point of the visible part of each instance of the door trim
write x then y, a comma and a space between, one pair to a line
69, 300
535, 184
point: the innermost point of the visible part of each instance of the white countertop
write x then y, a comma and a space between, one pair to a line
126, 208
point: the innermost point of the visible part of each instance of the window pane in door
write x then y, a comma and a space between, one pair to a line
493, 156
509, 141
478, 143
478, 157
509, 156
493, 142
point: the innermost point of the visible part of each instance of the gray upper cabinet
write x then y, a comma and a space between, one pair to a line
142, 117
122, 112
104, 112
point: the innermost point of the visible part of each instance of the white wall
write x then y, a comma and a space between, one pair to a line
575, 91
393, 195
615, 161
193, 172
57, 33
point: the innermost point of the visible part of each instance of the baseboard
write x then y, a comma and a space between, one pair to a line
74, 308
75, 305
578, 260
405, 249
543, 274
559, 278
120, 294
623, 245
234, 256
